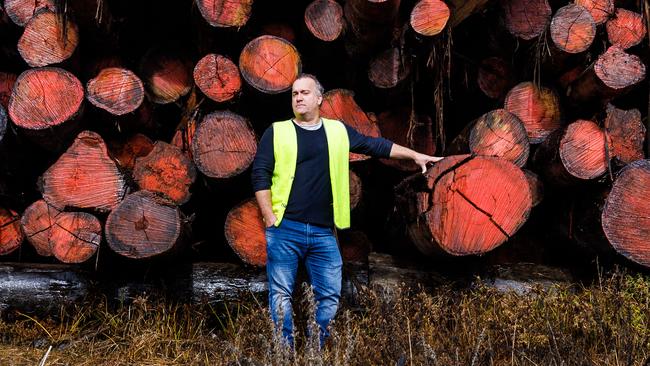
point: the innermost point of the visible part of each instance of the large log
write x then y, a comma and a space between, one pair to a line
406, 128
627, 134
526, 19
37, 222
573, 29
324, 19
339, 104
626, 215
270, 64
166, 170
21, 11
10, 234
116, 90
48, 39
464, 205
537, 107
217, 77
143, 225
75, 236
84, 177
225, 13
626, 28
224, 145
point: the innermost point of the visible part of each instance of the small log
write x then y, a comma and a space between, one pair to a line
339, 104
626, 215
166, 76
355, 246
223, 14
618, 69
356, 190
573, 29
495, 77
626, 132
574, 153
244, 230
395, 125
429, 17
537, 108
21, 11
44, 103
84, 177
7, 81
281, 30
75, 236
143, 225
270, 64
166, 170
116, 90
626, 28
324, 19
600, 10
464, 205
126, 152
526, 19
37, 222
10, 234
224, 144
47, 40
217, 77
389, 68
501, 134
370, 24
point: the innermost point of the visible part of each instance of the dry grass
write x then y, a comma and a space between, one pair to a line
607, 323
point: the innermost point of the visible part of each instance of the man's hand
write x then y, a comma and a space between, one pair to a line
401, 152
422, 160
269, 221
264, 201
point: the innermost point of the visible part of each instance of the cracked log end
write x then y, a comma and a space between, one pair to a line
217, 77
626, 215
166, 170
537, 108
526, 19
75, 236
339, 104
244, 230
143, 225
626, 28
627, 133
223, 14
224, 145
501, 134
43, 43
600, 10
116, 90
270, 64
10, 234
470, 205
21, 11
37, 222
573, 29
582, 150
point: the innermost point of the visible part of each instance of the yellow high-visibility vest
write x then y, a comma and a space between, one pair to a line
285, 152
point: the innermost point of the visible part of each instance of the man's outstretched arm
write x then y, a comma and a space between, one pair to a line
401, 152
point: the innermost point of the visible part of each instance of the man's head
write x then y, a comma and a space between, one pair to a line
306, 96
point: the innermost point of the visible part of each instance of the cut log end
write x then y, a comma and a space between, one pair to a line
626, 28
223, 14
217, 77
116, 90
125, 152
389, 68
324, 19
244, 230
582, 150
43, 44
626, 215
11, 236
573, 29
429, 17
270, 64
501, 134
526, 19
21, 11
537, 108
166, 77
37, 222
75, 237
600, 10
618, 69
143, 225
627, 134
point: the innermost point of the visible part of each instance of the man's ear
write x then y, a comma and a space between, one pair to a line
320, 100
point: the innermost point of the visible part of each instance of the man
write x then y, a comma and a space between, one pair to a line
301, 182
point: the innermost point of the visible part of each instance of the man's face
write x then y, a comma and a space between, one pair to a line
305, 98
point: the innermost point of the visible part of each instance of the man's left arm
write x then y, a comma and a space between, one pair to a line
401, 152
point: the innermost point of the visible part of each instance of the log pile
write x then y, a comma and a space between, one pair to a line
139, 140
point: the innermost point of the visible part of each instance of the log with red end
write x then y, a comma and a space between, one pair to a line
225, 13
502, 134
627, 134
537, 107
75, 236
626, 28
355, 246
324, 19
166, 76
618, 69
339, 104
495, 77
224, 144
389, 68
84, 177
11, 236
116, 90
7, 81
244, 231
270, 64
573, 29
37, 222
143, 225
526, 19
600, 10
217, 77
467, 205
21, 11
411, 130
47, 41
166, 170
126, 152
626, 215
429, 17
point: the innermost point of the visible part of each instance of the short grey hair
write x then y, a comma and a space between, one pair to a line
319, 86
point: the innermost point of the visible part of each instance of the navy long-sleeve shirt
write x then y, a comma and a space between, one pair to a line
310, 200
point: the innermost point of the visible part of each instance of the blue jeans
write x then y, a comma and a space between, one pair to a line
286, 246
